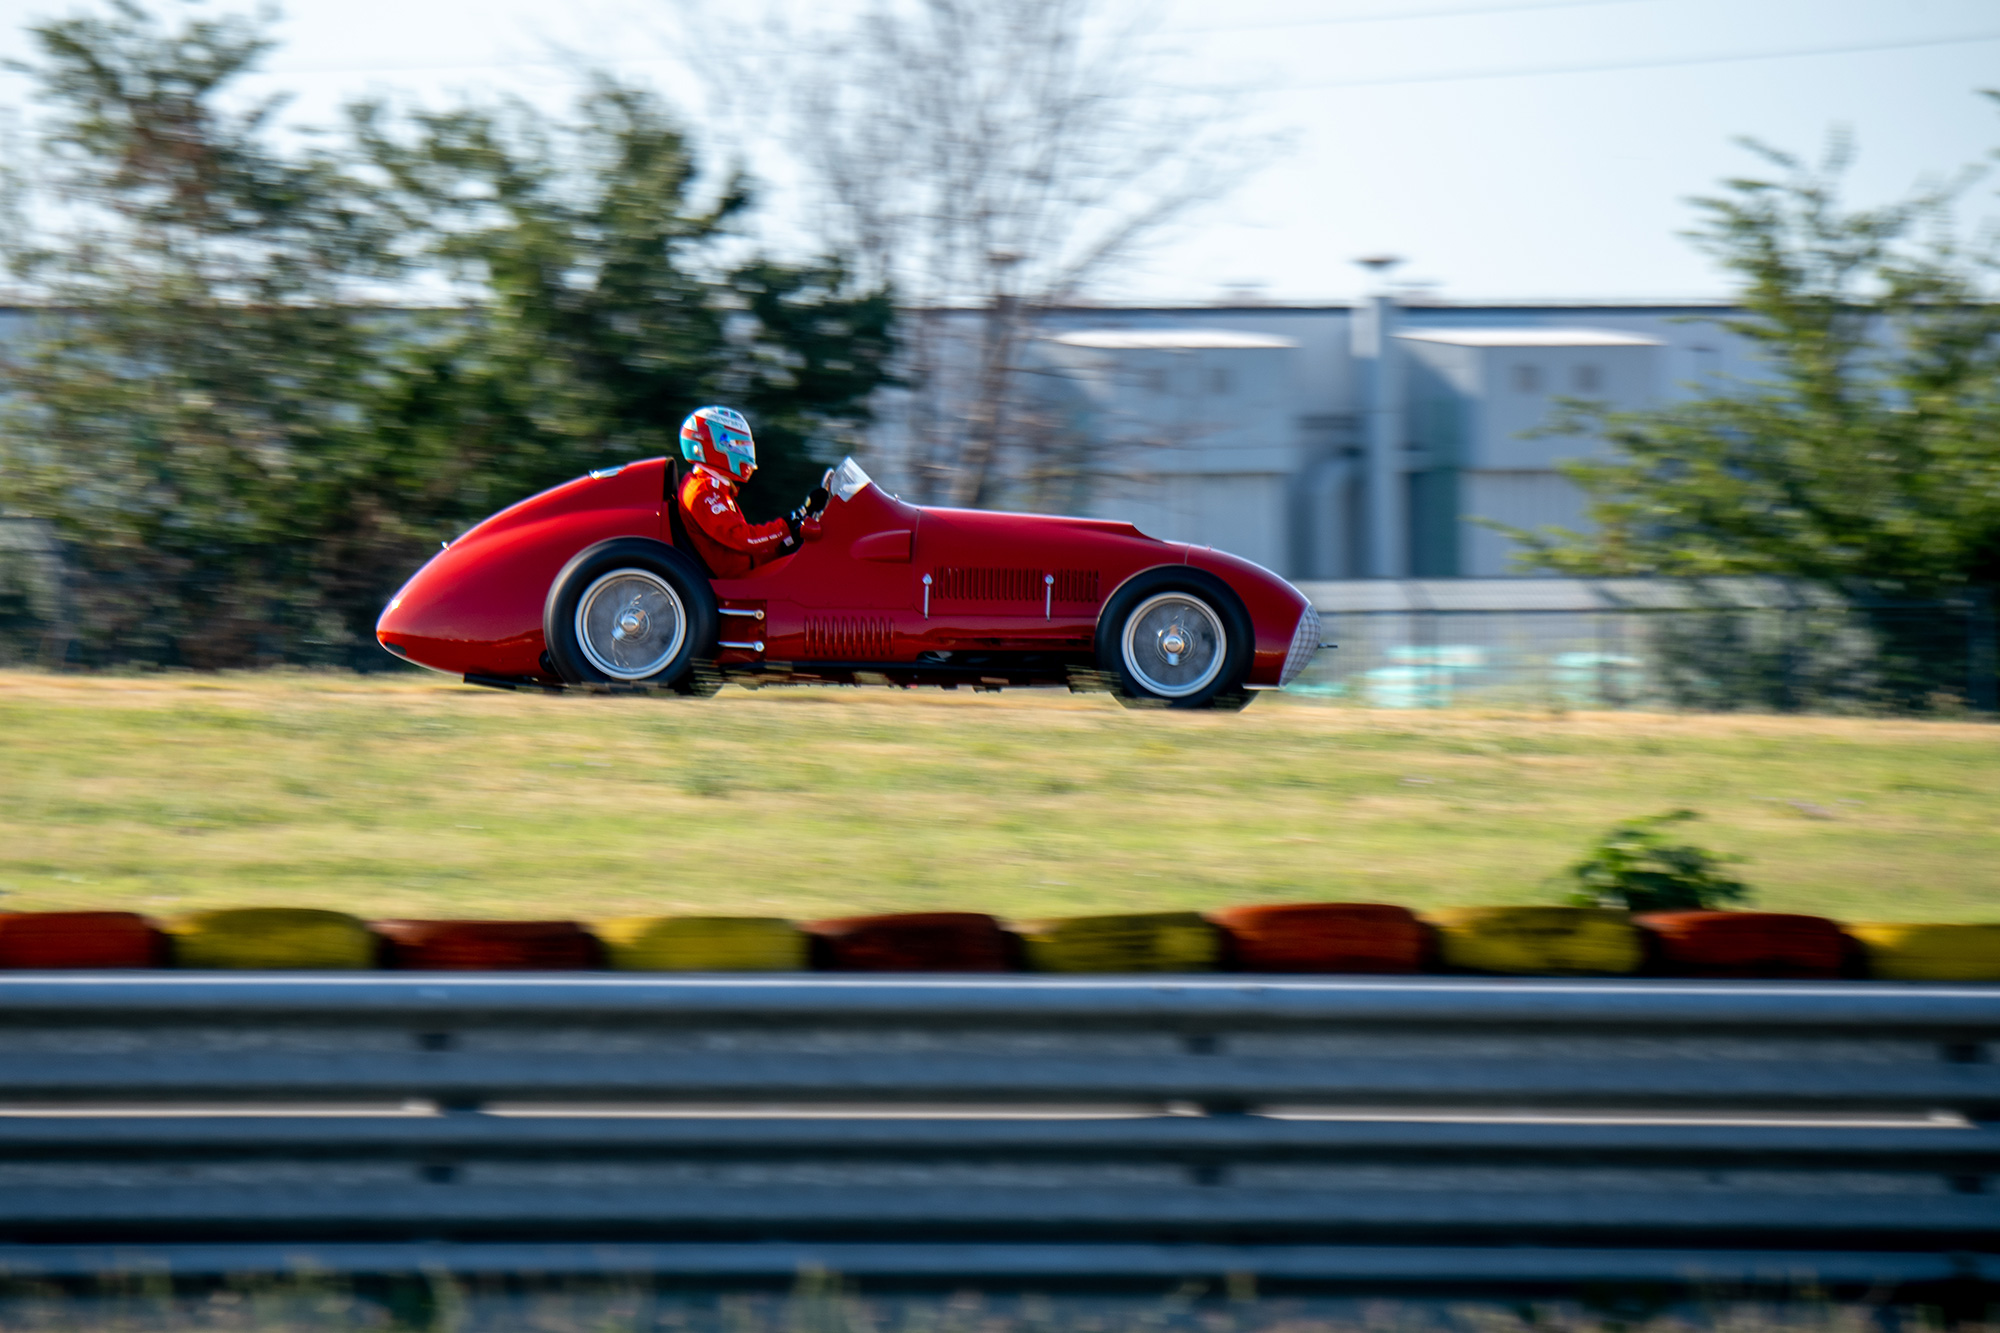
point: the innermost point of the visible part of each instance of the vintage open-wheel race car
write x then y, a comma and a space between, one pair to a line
594, 584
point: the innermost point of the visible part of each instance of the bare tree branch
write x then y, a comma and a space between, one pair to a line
1002, 158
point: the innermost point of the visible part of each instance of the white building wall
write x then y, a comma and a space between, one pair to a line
1522, 499
1288, 426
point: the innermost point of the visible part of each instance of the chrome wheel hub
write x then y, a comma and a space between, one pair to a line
1174, 644
630, 623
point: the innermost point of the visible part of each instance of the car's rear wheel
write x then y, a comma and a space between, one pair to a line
630, 612
1176, 638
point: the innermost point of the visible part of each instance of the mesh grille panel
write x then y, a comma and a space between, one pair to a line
1305, 642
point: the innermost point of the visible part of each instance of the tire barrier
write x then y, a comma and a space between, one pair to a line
1094, 1130
489, 946
703, 944
1120, 942
1538, 941
1296, 938
1323, 937
1929, 952
1743, 944
273, 939
913, 942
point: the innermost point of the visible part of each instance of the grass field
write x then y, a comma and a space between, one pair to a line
414, 796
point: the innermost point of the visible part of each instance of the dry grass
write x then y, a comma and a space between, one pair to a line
414, 796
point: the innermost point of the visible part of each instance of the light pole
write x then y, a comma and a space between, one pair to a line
1379, 383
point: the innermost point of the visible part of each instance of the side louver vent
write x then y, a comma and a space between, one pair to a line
967, 584
846, 638
972, 584
1076, 585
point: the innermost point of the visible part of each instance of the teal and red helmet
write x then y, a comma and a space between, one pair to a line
719, 438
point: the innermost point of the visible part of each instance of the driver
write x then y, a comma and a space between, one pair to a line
717, 441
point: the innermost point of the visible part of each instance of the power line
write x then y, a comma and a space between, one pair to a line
1401, 15
1526, 71
442, 66
1536, 70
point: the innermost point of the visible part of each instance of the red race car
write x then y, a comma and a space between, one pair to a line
594, 584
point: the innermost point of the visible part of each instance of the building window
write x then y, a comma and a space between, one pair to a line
1528, 379
1588, 379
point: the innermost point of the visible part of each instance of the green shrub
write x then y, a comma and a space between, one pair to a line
1634, 866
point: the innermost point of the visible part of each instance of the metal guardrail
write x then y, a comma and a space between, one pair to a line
1344, 1130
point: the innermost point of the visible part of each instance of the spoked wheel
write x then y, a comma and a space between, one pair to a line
630, 623
630, 612
1176, 638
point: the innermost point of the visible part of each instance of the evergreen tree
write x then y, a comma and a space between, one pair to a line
603, 309
246, 412
1866, 456
185, 414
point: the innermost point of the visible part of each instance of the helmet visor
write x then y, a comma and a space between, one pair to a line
735, 446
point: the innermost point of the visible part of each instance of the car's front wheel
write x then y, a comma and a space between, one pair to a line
1176, 638
629, 612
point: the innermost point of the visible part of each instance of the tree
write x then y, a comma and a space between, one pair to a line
990, 160
243, 444
1866, 460
191, 416
601, 311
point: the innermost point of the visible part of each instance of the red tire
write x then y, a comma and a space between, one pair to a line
490, 946
913, 942
80, 940
1742, 944
1324, 937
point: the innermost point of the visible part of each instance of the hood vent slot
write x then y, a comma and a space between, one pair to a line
968, 583
1076, 585
971, 584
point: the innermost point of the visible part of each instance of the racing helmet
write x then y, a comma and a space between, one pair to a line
719, 438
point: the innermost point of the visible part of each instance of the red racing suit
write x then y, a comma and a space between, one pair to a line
730, 545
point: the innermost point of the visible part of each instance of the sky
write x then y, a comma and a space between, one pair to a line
1506, 149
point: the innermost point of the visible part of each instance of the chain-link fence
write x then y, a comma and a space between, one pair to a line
1760, 644
1647, 643
30, 593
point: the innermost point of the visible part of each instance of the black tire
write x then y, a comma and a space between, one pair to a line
662, 585
1220, 622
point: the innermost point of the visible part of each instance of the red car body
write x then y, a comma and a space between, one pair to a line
890, 591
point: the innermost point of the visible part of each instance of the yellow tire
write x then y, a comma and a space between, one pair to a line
703, 944
1537, 941
272, 938
1931, 952
1125, 942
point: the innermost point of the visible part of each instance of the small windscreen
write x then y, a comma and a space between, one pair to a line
847, 480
